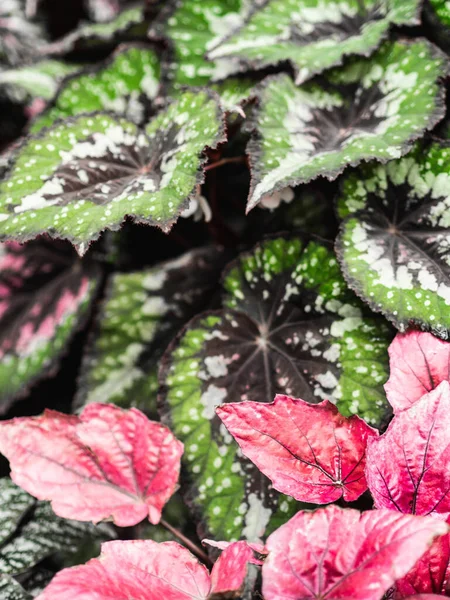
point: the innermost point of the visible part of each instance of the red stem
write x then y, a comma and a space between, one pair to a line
187, 542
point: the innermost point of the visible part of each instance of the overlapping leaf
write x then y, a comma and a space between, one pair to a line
45, 296
394, 241
418, 363
142, 313
127, 84
407, 467
371, 108
86, 174
289, 326
310, 452
312, 36
336, 553
105, 464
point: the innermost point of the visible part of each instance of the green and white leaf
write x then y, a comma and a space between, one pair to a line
312, 36
86, 174
394, 243
289, 325
38, 80
10, 589
142, 312
127, 84
15, 503
371, 108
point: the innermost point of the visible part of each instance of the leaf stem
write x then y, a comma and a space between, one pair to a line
225, 161
187, 542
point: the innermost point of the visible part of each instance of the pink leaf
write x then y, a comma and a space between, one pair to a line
108, 463
408, 467
230, 570
418, 362
140, 569
337, 554
430, 574
310, 452
259, 549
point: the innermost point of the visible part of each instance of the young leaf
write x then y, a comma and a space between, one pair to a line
126, 83
430, 574
312, 37
230, 571
418, 363
45, 296
290, 326
407, 467
141, 569
105, 464
392, 244
86, 174
142, 313
371, 108
310, 452
336, 554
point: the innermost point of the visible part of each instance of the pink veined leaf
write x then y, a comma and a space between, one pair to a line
430, 574
408, 467
425, 597
341, 554
259, 549
308, 451
108, 463
146, 570
419, 361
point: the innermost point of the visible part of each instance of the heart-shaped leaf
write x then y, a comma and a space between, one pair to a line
105, 464
86, 174
407, 467
310, 452
149, 571
126, 83
371, 108
337, 554
430, 574
393, 243
290, 326
418, 363
142, 313
46, 294
312, 37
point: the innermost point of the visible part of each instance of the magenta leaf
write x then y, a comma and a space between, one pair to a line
310, 452
418, 362
430, 574
337, 554
108, 463
230, 570
407, 467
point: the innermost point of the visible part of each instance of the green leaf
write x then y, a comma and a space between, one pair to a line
371, 108
126, 83
394, 240
15, 504
140, 316
312, 36
289, 325
441, 9
86, 174
11, 590
38, 80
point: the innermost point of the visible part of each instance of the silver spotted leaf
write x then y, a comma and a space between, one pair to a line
394, 243
86, 174
46, 294
140, 315
40, 533
20, 39
312, 36
127, 83
371, 108
10, 589
289, 325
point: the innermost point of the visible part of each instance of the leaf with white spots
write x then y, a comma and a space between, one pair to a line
87, 173
394, 243
291, 326
45, 296
11, 590
370, 108
140, 316
312, 36
127, 83
128, 24
38, 80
